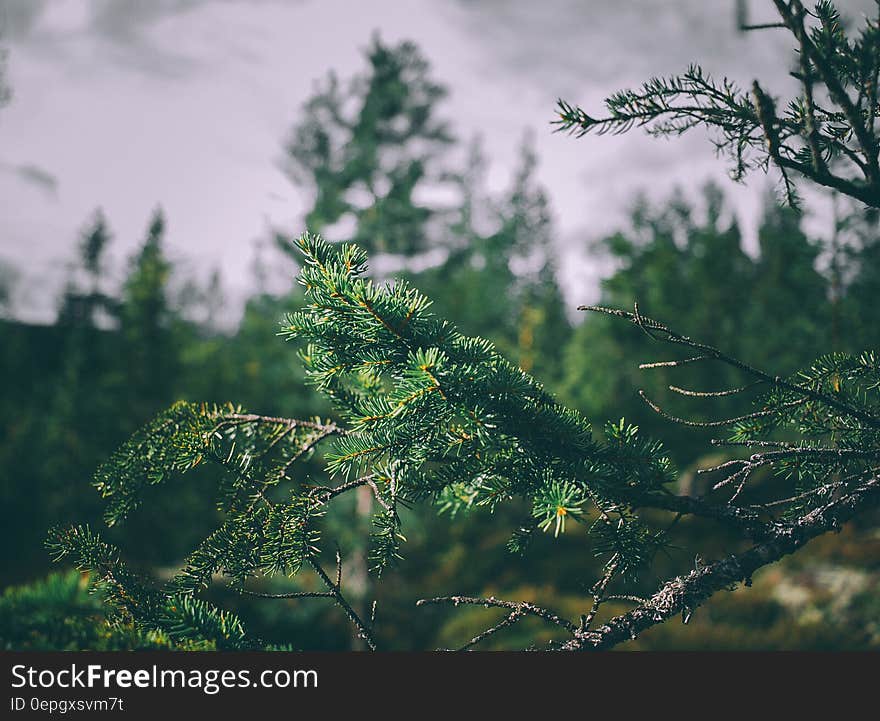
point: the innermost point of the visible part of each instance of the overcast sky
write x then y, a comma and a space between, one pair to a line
127, 104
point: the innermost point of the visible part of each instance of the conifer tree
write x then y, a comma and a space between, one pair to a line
147, 323
364, 148
80, 307
788, 284
860, 283
8, 278
424, 413
503, 248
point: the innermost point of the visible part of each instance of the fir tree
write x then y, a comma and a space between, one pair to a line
365, 148
80, 306
503, 248
9, 276
425, 413
860, 277
147, 324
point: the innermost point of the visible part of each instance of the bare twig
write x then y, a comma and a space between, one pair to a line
663, 364
335, 592
294, 594
670, 336
327, 493
687, 592
509, 620
598, 592
712, 394
239, 418
713, 424
523, 607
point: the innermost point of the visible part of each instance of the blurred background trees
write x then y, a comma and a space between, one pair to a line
381, 167
365, 149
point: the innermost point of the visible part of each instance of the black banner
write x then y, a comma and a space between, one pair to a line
170, 685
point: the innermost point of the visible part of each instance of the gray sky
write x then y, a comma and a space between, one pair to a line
126, 104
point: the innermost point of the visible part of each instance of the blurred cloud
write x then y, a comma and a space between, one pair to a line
33, 175
17, 17
124, 31
578, 42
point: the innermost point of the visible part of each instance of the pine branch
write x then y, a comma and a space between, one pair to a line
509, 620
685, 593
517, 607
335, 592
428, 413
709, 352
808, 139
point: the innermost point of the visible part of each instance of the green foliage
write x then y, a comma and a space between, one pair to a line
171, 443
60, 614
426, 407
187, 618
827, 134
684, 261
141, 608
433, 413
365, 150
555, 502
123, 358
499, 279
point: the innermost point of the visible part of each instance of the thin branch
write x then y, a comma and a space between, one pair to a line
294, 594
713, 394
761, 26
820, 491
625, 597
758, 460
687, 592
598, 592
362, 628
824, 489
378, 496
714, 424
309, 445
504, 623
329, 492
523, 607
238, 418
670, 336
663, 364
752, 443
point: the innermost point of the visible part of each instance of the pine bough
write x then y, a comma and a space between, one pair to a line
428, 414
